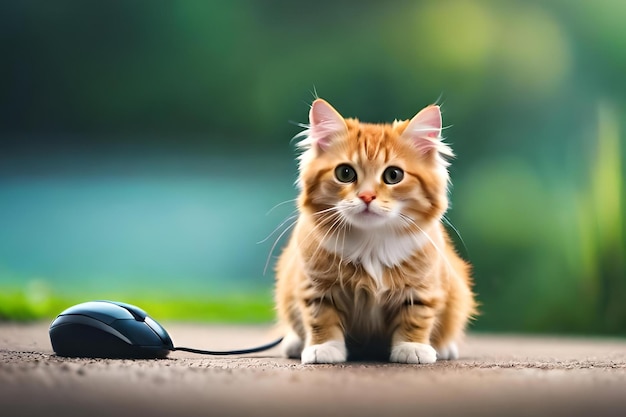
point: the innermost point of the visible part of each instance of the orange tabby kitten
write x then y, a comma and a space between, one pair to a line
369, 269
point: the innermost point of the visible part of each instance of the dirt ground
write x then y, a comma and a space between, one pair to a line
496, 376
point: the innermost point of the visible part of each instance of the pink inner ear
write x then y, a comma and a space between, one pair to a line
325, 123
424, 129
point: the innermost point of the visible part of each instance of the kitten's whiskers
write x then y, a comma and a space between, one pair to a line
336, 222
449, 223
280, 204
423, 232
294, 215
269, 255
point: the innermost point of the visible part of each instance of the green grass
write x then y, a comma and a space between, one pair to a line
18, 305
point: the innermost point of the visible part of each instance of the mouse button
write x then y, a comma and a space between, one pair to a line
160, 331
137, 313
138, 332
103, 311
79, 320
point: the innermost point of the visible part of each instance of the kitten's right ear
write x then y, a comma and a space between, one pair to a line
325, 124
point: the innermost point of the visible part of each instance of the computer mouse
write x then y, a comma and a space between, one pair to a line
108, 329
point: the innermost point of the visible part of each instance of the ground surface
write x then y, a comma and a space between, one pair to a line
496, 376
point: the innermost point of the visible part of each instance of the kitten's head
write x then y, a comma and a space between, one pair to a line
372, 176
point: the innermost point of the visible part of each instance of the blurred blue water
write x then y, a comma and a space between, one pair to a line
176, 231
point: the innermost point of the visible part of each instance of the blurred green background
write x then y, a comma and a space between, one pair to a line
143, 145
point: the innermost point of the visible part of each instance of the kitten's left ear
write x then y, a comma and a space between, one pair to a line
424, 130
325, 123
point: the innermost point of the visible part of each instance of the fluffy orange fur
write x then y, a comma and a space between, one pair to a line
369, 270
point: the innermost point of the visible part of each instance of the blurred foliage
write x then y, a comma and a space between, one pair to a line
533, 93
557, 248
31, 304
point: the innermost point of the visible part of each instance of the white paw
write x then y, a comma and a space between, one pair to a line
449, 352
292, 345
407, 352
328, 352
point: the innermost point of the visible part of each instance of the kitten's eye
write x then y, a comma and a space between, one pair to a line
345, 173
393, 175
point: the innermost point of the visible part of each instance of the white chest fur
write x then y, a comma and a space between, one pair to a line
375, 249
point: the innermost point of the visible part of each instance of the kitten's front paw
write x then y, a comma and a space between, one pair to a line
408, 352
448, 352
327, 352
292, 345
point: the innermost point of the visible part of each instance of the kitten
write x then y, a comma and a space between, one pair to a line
369, 270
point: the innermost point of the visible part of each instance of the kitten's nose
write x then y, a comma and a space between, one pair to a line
367, 197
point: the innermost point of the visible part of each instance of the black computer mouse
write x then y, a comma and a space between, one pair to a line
108, 329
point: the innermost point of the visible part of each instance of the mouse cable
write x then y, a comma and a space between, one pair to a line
230, 352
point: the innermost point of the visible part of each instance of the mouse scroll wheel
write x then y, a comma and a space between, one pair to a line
137, 313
